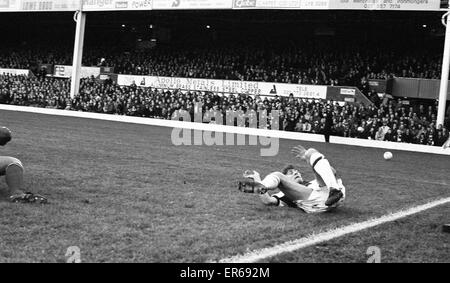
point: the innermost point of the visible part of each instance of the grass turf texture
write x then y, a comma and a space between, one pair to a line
123, 193
414, 239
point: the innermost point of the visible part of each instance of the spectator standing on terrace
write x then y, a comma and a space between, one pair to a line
290, 123
407, 136
371, 134
307, 127
339, 129
328, 123
373, 96
379, 136
299, 125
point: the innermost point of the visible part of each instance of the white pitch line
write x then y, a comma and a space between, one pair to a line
257, 255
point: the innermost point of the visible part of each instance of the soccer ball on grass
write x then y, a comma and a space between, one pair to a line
387, 155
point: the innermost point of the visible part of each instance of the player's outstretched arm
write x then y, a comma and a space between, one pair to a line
299, 152
306, 154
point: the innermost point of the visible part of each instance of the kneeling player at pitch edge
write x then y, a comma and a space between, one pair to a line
324, 193
12, 169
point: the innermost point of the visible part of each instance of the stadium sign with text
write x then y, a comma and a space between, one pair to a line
116, 5
38, 5
401, 5
191, 4
65, 71
303, 91
226, 86
348, 91
14, 72
419, 5
121, 5
281, 4
99, 5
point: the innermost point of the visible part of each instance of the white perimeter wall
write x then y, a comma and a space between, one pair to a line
231, 129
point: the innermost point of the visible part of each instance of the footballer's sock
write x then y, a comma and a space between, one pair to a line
323, 168
271, 181
14, 178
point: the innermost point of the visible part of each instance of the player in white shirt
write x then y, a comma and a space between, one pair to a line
324, 193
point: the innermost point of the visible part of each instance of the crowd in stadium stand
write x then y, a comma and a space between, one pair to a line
315, 63
391, 120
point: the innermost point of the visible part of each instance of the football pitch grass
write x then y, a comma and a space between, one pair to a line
123, 193
417, 238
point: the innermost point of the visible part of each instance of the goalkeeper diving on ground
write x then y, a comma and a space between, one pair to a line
287, 188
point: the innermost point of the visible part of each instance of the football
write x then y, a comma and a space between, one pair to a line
388, 155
